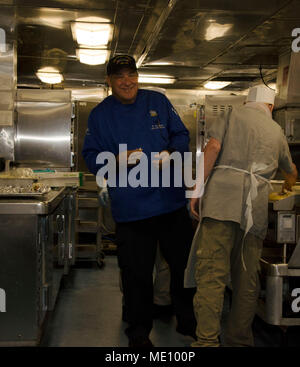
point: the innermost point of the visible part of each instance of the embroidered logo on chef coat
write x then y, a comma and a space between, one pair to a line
152, 113
156, 124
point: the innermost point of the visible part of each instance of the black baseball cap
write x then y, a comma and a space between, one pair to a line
120, 62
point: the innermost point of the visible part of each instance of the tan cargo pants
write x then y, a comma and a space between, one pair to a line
219, 258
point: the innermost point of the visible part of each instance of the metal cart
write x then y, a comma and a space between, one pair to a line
88, 224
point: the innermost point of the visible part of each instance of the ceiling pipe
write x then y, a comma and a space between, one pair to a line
153, 37
138, 27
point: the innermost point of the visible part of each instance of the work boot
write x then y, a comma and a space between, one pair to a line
140, 342
186, 326
124, 314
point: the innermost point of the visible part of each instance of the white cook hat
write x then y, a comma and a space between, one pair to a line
261, 93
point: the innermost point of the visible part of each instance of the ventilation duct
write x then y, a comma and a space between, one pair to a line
287, 102
288, 80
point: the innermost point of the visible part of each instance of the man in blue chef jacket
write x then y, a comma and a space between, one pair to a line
146, 122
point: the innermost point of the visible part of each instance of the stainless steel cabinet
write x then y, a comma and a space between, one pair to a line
43, 130
35, 253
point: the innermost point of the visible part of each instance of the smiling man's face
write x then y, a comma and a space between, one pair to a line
124, 85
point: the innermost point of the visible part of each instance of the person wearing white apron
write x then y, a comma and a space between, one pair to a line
245, 149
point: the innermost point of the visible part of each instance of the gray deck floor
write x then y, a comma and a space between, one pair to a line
88, 314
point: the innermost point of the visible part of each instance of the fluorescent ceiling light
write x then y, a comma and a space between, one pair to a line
91, 56
156, 79
216, 30
49, 75
160, 63
91, 34
216, 85
93, 20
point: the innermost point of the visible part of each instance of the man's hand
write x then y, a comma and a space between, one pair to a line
103, 197
194, 207
290, 179
131, 157
287, 185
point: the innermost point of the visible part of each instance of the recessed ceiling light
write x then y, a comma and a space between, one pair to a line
49, 75
92, 34
216, 30
91, 56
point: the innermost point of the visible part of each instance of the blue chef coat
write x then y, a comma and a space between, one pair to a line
150, 123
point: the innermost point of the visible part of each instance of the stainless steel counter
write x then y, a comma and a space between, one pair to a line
280, 262
36, 250
43, 204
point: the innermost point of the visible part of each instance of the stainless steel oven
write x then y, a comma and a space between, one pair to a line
280, 262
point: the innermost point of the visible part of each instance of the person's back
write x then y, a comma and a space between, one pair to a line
256, 137
244, 151
251, 141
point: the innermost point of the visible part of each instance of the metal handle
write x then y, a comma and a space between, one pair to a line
73, 111
45, 298
72, 159
70, 250
62, 251
60, 221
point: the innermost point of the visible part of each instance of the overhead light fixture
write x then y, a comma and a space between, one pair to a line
91, 34
49, 75
216, 85
156, 79
160, 63
93, 20
216, 30
91, 56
